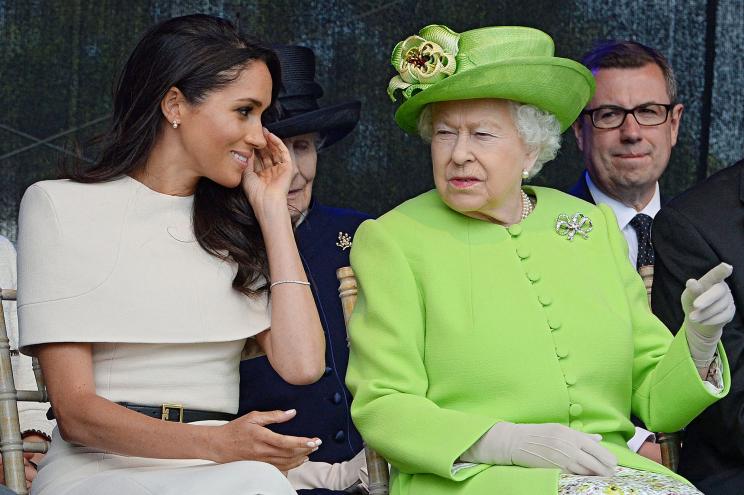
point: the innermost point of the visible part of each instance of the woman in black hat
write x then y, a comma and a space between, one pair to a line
324, 237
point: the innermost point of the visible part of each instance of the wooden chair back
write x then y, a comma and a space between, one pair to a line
377, 466
12, 445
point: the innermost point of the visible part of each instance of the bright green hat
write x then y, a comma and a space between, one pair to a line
509, 62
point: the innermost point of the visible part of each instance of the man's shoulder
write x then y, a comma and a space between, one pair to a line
581, 189
710, 195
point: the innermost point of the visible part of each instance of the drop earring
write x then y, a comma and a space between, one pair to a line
525, 174
175, 124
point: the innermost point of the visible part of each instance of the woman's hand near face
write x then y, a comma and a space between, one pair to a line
247, 438
295, 344
267, 185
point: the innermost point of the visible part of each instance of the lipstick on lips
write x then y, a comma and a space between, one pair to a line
463, 182
241, 158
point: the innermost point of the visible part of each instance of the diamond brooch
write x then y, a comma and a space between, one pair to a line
344, 241
571, 226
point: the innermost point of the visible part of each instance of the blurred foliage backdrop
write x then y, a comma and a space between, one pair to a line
58, 59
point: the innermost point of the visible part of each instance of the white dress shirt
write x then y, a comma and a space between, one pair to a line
625, 214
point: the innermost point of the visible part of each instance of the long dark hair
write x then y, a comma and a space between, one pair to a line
197, 54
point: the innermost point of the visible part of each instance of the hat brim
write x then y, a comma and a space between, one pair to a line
560, 86
334, 122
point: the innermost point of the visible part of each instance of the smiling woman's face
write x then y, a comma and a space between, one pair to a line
477, 156
304, 153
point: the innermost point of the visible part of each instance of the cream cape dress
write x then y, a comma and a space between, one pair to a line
116, 264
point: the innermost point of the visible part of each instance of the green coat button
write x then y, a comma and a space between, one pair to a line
570, 379
533, 277
575, 409
515, 230
545, 299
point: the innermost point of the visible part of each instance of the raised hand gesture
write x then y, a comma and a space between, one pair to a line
707, 302
266, 185
708, 306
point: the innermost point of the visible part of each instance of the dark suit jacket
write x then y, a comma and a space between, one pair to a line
692, 234
323, 407
581, 189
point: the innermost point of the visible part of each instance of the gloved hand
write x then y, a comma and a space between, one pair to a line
548, 445
338, 476
708, 306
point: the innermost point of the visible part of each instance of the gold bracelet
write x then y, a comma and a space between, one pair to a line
280, 282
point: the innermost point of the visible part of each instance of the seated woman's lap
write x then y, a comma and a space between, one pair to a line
625, 482
238, 478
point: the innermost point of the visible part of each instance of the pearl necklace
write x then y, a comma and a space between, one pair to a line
526, 206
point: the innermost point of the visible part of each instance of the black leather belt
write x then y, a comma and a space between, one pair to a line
172, 412
177, 414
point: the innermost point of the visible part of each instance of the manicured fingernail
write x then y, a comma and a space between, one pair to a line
290, 411
319, 442
311, 444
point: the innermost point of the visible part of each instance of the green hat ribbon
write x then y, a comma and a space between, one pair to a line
423, 60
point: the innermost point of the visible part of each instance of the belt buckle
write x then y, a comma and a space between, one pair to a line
166, 409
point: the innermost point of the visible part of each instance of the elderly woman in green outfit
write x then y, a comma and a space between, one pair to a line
501, 340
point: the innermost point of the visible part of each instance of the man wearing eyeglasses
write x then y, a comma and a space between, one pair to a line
626, 135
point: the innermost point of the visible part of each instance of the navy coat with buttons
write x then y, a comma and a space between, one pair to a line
323, 407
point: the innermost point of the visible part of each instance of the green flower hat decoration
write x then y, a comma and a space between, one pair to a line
508, 62
423, 60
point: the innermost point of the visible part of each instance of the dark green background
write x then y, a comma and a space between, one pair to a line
58, 58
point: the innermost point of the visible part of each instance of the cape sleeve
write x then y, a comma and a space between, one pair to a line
39, 239
387, 373
115, 262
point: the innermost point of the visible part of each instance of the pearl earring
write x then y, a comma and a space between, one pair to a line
525, 174
175, 124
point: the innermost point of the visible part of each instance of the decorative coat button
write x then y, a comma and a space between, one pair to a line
570, 379
340, 436
577, 425
533, 277
545, 299
575, 409
561, 351
328, 370
523, 253
337, 398
515, 230
554, 324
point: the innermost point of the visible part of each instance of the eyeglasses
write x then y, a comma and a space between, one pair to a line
612, 117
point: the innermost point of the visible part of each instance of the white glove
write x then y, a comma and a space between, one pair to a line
339, 476
548, 445
708, 306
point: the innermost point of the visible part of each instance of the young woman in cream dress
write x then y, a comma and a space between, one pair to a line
141, 278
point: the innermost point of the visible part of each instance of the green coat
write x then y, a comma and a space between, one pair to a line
461, 323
